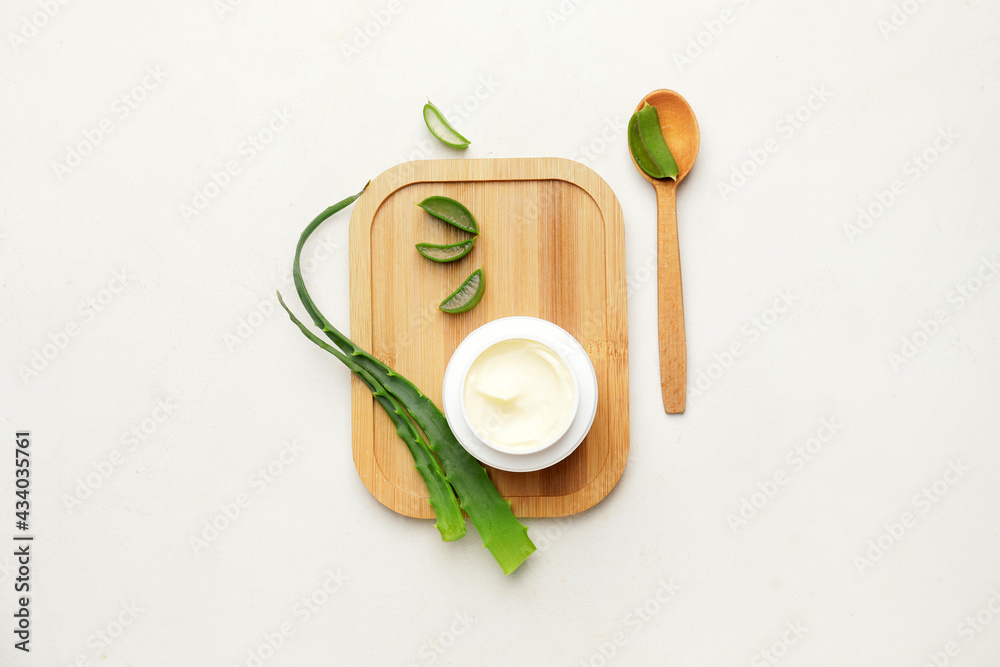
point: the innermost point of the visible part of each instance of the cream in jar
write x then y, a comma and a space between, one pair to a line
519, 395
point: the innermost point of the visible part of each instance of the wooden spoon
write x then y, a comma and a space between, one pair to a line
680, 129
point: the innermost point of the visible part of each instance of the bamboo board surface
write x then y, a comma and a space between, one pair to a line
552, 244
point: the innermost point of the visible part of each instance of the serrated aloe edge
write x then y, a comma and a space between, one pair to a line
450, 521
505, 537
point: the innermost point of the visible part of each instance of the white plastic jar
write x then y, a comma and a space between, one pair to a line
520, 394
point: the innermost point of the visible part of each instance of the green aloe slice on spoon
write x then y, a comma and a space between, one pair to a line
645, 140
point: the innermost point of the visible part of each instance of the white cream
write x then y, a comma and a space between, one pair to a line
519, 394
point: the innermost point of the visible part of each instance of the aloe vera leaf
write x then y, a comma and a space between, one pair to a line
446, 253
467, 296
450, 521
451, 211
441, 128
652, 138
501, 532
639, 152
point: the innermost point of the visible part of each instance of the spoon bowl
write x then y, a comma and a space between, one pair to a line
680, 130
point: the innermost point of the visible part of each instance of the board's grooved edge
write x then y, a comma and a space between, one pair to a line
616, 318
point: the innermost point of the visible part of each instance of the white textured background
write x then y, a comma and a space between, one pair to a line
523, 79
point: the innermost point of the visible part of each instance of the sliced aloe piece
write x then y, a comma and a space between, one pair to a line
446, 253
651, 134
467, 295
639, 152
451, 211
441, 128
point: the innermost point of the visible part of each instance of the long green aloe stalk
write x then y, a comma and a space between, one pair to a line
491, 514
450, 521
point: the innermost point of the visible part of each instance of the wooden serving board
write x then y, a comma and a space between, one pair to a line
552, 245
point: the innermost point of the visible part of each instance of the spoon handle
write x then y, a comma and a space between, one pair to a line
673, 348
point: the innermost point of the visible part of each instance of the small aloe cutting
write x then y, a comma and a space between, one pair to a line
458, 472
649, 148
